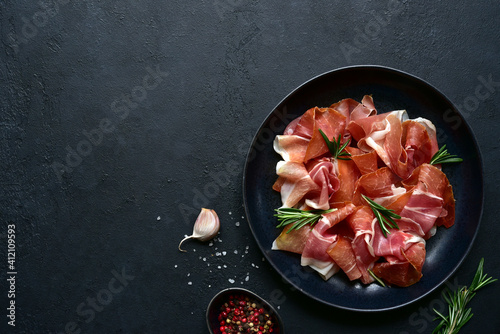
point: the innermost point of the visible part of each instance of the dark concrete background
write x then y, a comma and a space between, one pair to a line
88, 211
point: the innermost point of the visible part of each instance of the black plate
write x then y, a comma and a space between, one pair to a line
391, 90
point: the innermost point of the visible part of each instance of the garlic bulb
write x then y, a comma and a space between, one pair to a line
205, 228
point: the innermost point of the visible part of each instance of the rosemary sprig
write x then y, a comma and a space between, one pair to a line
298, 218
384, 216
376, 277
335, 148
458, 316
442, 157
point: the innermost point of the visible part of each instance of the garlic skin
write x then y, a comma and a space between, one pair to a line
206, 227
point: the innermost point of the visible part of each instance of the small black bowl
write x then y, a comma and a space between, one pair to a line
219, 299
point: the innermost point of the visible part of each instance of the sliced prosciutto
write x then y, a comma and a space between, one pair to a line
324, 172
296, 182
387, 161
431, 180
362, 222
319, 240
342, 253
403, 273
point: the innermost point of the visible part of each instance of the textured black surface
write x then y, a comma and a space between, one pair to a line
176, 140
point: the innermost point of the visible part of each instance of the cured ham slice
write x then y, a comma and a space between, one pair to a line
321, 238
345, 107
293, 241
394, 244
315, 256
366, 162
331, 123
430, 179
362, 223
424, 208
297, 182
374, 126
380, 183
403, 273
348, 174
419, 141
291, 147
324, 173
343, 255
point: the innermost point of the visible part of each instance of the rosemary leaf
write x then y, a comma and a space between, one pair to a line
384, 216
442, 156
299, 218
379, 281
335, 148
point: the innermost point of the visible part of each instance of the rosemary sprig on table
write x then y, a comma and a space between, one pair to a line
442, 157
335, 148
458, 316
384, 216
298, 218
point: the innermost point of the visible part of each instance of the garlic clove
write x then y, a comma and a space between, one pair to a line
206, 227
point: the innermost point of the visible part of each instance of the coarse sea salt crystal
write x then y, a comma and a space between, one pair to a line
235, 251
237, 224
231, 280
175, 266
204, 259
190, 283
230, 212
158, 218
247, 278
224, 253
225, 266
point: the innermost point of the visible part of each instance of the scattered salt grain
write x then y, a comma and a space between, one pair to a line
158, 218
224, 253
235, 251
211, 243
230, 212
247, 278
190, 283
231, 281
219, 267
224, 266
204, 259
237, 224
189, 274
175, 266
